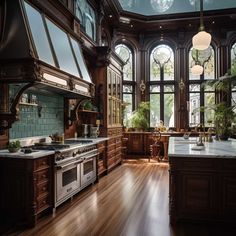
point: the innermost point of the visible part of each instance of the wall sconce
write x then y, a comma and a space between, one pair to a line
142, 86
181, 85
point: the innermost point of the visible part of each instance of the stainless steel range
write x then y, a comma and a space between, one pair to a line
75, 167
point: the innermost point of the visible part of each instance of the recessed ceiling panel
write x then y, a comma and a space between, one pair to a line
160, 7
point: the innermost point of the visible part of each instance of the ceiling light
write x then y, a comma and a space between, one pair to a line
197, 70
202, 39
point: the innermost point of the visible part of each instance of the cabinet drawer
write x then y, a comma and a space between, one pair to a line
111, 141
42, 176
43, 202
42, 188
42, 163
111, 161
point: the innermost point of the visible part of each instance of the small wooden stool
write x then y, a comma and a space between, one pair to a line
157, 147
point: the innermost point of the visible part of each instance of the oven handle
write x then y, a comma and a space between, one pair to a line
90, 157
69, 164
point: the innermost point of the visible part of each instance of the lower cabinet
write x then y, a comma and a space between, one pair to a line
102, 164
202, 189
114, 152
26, 189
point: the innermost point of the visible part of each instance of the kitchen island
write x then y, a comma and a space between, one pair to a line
202, 183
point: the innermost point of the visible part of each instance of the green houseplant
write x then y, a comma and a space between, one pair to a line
139, 117
224, 111
14, 146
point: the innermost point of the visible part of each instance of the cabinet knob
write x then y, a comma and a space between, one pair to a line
44, 202
44, 176
44, 188
44, 163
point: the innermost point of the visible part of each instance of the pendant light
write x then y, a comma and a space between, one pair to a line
202, 39
197, 69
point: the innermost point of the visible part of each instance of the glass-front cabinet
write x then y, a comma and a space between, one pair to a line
114, 97
109, 83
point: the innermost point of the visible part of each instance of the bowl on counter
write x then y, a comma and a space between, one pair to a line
13, 150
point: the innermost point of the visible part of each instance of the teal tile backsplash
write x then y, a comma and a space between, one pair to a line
30, 124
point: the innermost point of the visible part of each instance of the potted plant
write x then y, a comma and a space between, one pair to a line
139, 119
14, 146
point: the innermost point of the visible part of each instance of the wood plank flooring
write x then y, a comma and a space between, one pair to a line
132, 200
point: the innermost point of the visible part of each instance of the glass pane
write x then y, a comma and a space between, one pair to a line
209, 99
90, 25
155, 74
194, 109
154, 88
208, 88
194, 87
80, 8
169, 109
162, 56
80, 60
191, 64
209, 66
127, 99
169, 88
154, 110
127, 88
126, 55
39, 35
62, 49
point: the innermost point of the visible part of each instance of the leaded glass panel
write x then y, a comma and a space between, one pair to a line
169, 115
194, 109
155, 88
169, 88
127, 89
126, 55
209, 100
154, 109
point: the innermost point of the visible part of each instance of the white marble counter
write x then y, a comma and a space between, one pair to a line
32, 155
180, 147
41, 153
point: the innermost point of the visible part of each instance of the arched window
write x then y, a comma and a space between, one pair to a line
128, 80
86, 15
233, 67
200, 96
161, 86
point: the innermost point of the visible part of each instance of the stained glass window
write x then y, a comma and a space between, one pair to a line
126, 55
162, 86
87, 17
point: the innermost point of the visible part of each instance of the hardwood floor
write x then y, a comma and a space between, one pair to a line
131, 201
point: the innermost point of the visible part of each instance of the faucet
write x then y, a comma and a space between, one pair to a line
201, 125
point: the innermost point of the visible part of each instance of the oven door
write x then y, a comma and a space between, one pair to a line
67, 180
88, 170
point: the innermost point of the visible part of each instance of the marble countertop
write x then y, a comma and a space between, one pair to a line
180, 147
40, 153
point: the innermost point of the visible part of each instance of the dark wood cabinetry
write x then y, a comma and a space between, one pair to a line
202, 189
109, 85
102, 163
26, 189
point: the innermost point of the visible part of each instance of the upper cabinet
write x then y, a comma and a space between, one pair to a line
109, 84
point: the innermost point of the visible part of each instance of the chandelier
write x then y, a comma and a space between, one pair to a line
202, 39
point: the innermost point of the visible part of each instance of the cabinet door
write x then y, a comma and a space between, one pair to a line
135, 143
197, 195
228, 194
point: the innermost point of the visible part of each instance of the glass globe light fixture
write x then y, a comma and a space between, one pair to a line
202, 39
197, 69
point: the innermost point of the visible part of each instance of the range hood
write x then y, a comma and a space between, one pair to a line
35, 50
